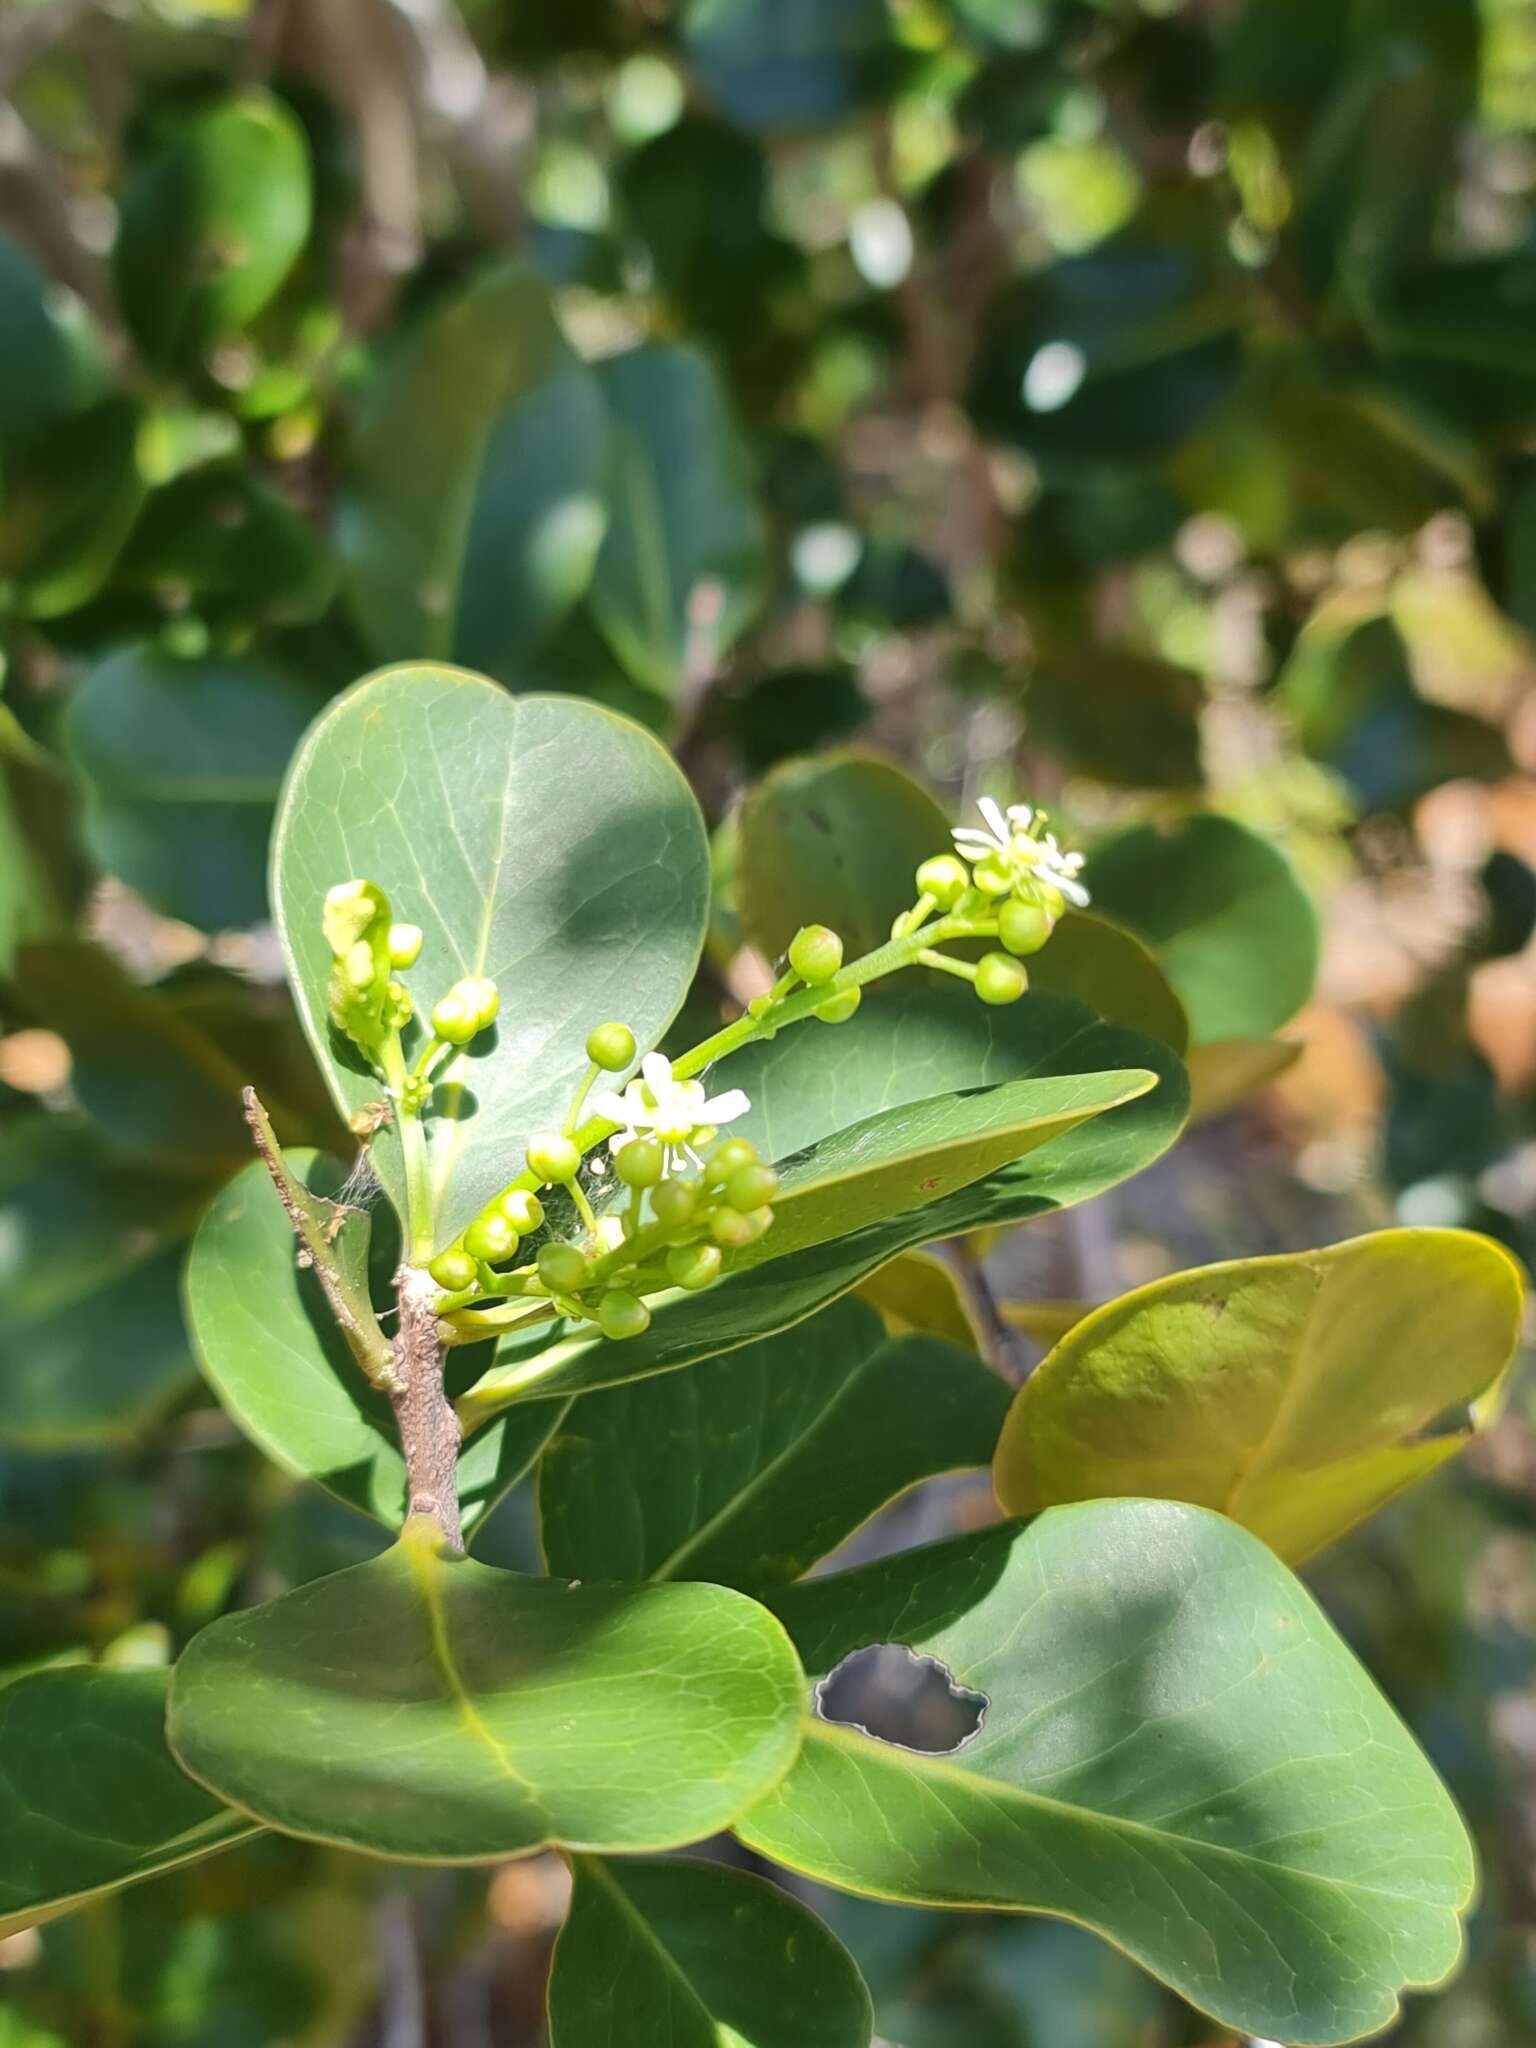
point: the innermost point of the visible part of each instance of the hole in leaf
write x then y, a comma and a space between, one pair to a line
897, 1696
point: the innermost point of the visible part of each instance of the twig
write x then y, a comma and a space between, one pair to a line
429, 1429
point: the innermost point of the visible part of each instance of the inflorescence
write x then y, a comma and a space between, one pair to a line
686, 1195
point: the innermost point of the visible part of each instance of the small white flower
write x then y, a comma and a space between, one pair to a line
1015, 840
675, 1113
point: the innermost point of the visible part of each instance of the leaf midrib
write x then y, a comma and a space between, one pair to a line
597, 1873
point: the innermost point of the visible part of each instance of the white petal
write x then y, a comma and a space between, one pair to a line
974, 845
994, 817
1073, 891
657, 1069
724, 1109
609, 1103
1020, 817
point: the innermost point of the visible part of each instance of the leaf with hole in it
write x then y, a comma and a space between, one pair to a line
750, 1467
696, 1955
270, 1348
1224, 914
834, 840
426, 1707
90, 1800
886, 1057
92, 1346
474, 502
1298, 1394
681, 566
214, 216
182, 763
537, 840
1177, 1751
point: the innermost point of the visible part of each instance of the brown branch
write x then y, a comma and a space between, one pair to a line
429, 1429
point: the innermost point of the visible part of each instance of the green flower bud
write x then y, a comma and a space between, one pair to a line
523, 1211
453, 1269
490, 1237
673, 1203
728, 1227
728, 1157
552, 1157
1051, 899
815, 953
944, 878
1023, 926
638, 1164
467, 1008
398, 1008
611, 1047
693, 1265
563, 1268
751, 1186
992, 878
404, 945
621, 1315
360, 965
350, 908
758, 1221
838, 1009
1000, 978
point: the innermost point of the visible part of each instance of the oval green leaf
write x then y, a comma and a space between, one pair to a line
213, 219
272, 1352
1177, 1752
833, 840
90, 1798
1297, 1394
695, 1955
1229, 923
1228, 1070
182, 763
750, 1467
538, 840
1107, 967
428, 1708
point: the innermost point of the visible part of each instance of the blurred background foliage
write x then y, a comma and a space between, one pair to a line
1127, 403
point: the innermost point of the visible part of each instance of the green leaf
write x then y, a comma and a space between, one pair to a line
150, 1081
1298, 1394
1227, 1071
182, 762
833, 840
680, 569
749, 1468
801, 1090
53, 361
273, 1353
538, 840
428, 1708
1118, 716
1177, 1751
231, 547
789, 63
42, 877
92, 1346
695, 1955
69, 500
474, 502
89, 1798
213, 219
919, 1293
1226, 918
1108, 968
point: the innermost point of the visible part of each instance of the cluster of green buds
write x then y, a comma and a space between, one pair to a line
676, 1198
688, 1197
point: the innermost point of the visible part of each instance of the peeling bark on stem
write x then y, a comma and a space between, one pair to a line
429, 1429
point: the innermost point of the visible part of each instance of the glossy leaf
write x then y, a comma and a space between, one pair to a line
1107, 967
428, 1708
474, 501
1228, 921
833, 840
1176, 1749
92, 1346
919, 1292
230, 546
538, 840
213, 218
695, 1955
90, 1800
271, 1349
918, 1041
1297, 1394
69, 502
182, 762
750, 1467
678, 574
